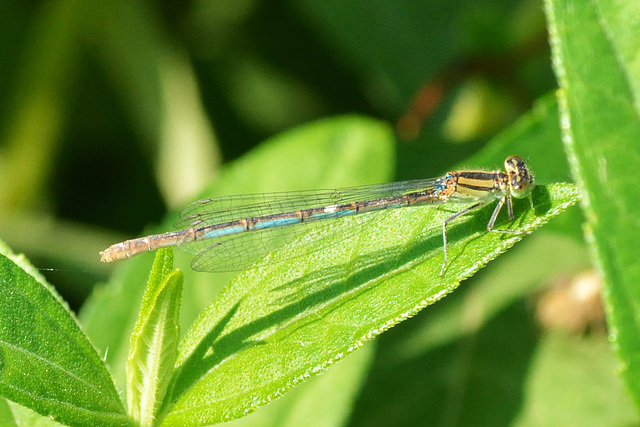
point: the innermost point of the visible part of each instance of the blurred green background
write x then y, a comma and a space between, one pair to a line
111, 113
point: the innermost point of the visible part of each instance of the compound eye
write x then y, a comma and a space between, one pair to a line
520, 179
521, 187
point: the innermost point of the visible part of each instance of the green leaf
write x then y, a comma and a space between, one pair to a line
323, 400
46, 362
340, 151
468, 356
275, 325
595, 58
456, 359
154, 340
13, 414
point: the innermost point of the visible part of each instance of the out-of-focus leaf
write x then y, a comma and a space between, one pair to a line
558, 393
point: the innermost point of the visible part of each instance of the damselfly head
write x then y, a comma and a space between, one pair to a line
520, 178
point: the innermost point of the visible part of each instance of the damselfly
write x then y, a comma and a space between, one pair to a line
230, 233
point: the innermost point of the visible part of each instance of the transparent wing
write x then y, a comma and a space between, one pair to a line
229, 208
239, 251
242, 250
